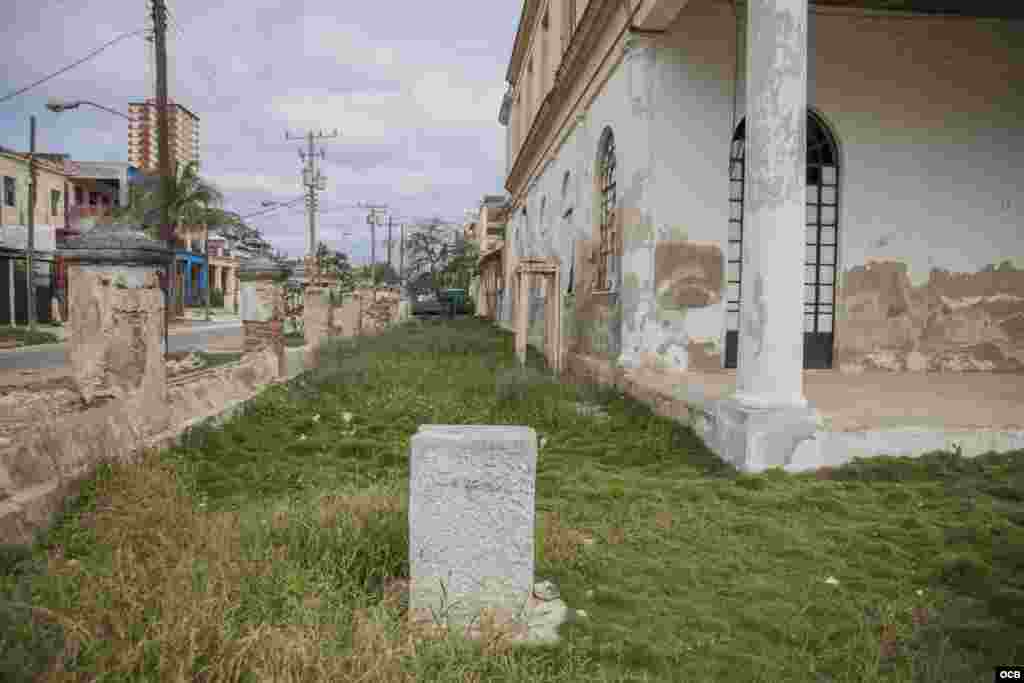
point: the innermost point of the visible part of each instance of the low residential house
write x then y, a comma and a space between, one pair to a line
99, 188
52, 180
224, 265
191, 270
762, 210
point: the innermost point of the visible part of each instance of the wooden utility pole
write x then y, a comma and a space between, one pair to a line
164, 150
30, 256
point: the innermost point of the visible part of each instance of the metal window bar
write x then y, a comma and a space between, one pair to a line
608, 189
821, 243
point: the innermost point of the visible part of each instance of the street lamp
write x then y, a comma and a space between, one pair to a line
56, 105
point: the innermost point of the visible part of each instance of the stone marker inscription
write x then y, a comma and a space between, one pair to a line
471, 519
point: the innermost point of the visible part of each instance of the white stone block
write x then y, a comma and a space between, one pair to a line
471, 520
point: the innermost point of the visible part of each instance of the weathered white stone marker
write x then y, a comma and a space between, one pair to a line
471, 521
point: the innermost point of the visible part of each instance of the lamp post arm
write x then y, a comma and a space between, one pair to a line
107, 109
60, 108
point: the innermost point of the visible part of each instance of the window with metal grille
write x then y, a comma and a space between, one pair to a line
820, 259
9, 192
606, 178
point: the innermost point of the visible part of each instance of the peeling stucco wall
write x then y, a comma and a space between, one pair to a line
952, 322
929, 178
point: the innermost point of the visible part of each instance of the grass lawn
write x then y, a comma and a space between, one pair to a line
23, 337
264, 550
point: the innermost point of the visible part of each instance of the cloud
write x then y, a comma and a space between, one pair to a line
416, 100
251, 182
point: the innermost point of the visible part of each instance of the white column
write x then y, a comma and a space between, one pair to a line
770, 364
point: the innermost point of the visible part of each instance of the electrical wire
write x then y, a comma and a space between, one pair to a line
274, 208
71, 66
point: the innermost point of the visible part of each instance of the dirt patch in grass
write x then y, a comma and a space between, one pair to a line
275, 547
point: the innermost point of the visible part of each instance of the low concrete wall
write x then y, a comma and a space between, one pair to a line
689, 405
45, 465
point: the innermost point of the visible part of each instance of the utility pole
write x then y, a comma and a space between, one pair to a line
371, 218
30, 257
314, 181
389, 243
164, 150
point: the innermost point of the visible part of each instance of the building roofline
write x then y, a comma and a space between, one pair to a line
519, 45
174, 104
41, 162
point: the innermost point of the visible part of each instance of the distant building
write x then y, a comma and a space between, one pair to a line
183, 127
98, 188
52, 187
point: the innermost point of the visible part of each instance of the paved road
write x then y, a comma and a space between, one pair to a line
54, 355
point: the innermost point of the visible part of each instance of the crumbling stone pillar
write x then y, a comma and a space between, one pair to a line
317, 316
116, 314
262, 304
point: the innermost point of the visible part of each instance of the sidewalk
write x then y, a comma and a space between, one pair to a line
193, 315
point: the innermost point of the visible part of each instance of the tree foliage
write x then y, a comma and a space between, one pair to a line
191, 200
441, 254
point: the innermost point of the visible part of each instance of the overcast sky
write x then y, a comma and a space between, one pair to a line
413, 87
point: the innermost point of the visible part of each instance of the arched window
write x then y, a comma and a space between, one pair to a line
821, 242
606, 210
542, 226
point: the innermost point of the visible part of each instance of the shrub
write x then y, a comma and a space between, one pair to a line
217, 298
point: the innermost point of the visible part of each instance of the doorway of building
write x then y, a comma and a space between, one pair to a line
820, 243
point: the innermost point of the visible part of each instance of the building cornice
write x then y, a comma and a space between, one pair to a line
596, 18
522, 40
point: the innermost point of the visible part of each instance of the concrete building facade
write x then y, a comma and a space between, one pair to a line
52, 191
183, 127
771, 188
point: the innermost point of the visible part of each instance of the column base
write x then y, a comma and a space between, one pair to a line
754, 439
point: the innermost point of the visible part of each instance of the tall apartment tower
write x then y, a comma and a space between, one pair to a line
183, 126
143, 150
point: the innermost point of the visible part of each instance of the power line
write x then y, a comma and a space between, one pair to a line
71, 66
274, 208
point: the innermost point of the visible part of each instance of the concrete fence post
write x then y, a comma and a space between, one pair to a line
262, 306
116, 314
317, 317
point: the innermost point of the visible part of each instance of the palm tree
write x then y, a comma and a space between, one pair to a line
191, 200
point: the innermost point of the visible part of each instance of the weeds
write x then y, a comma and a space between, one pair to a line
275, 547
25, 337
